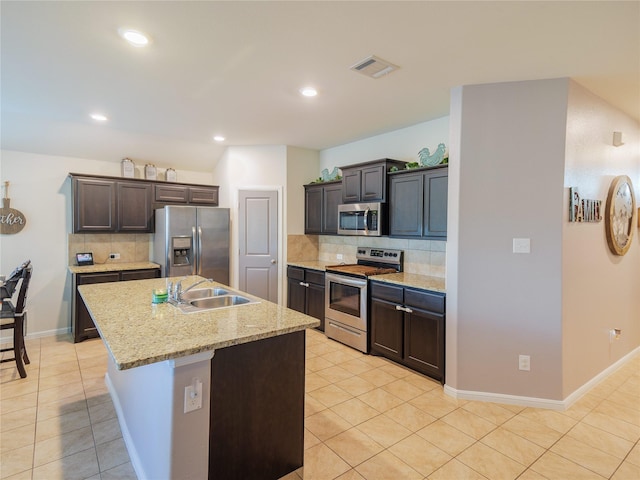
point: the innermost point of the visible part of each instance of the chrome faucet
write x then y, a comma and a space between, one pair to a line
178, 292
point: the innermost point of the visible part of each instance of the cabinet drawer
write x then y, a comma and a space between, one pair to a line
170, 193
313, 276
207, 196
140, 274
295, 273
89, 278
387, 292
433, 302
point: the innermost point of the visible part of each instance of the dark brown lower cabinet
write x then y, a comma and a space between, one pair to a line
408, 326
257, 409
82, 325
306, 292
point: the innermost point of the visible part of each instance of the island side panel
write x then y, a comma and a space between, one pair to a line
257, 409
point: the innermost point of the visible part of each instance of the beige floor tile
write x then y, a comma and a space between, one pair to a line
623, 429
60, 380
317, 363
455, 470
629, 400
587, 456
92, 362
634, 455
312, 406
385, 466
16, 461
78, 466
356, 385
354, 447
121, 472
111, 454
314, 381
533, 431
61, 406
322, 348
356, 366
330, 395
56, 426
615, 410
350, 475
490, 463
19, 403
106, 431
403, 389
63, 445
410, 417
355, 411
378, 377
434, 404
97, 395
17, 418
343, 354
93, 383
60, 368
422, 456
626, 471
326, 424
425, 384
531, 475
384, 430
26, 475
17, 438
556, 420
18, 388
469, 423
310, 440
583, 406
396, 370
335, 373
446, 437
554, 466
101, 412
321, 463
380, 399
513, 446
596, 438
61, 391
491, 412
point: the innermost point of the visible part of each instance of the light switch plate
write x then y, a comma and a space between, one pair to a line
521, 245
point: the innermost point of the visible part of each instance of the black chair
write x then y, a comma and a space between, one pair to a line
14, 317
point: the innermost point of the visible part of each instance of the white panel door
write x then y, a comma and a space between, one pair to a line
258, 239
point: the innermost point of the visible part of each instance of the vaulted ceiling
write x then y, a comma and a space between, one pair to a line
235, 68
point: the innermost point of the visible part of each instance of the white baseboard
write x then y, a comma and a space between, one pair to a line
33, 336
541, 402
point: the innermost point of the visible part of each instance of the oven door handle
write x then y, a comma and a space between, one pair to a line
354, 282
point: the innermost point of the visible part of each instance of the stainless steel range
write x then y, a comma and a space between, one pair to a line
346, 294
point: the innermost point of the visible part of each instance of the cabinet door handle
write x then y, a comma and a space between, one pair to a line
404, 309
304, 284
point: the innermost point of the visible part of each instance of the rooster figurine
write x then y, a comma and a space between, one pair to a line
427, 159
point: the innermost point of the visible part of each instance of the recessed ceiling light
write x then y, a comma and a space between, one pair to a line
134, 37
309, 91
98, 117
219, 138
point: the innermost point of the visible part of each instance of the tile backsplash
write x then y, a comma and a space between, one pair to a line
131, 247
425, 257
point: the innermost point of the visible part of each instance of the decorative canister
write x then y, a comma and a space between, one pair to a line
128, 168
171, 175
150, 171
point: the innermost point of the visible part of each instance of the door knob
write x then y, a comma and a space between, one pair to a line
273, 262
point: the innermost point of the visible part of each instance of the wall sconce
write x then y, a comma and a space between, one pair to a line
617, 139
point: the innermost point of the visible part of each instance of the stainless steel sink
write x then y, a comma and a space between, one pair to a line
203, 299
203, 293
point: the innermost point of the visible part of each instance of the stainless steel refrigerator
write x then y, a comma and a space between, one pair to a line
193, 241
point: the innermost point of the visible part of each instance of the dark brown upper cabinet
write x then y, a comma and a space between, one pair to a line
321, 207
367, 182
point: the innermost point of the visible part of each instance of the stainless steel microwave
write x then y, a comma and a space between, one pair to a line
362, 219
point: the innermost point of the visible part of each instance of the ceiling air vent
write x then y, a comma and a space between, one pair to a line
374, 67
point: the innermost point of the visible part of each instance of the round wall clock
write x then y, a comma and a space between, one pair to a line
619, 215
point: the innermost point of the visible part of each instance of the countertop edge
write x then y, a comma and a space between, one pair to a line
112, 267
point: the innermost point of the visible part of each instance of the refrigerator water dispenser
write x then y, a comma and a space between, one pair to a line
182, 251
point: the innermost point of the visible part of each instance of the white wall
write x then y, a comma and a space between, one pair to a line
600, 289
41, 190
403, 144
517, 148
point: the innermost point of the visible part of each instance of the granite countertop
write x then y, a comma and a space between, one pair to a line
112, 267
425, 282
312, 264
137, 333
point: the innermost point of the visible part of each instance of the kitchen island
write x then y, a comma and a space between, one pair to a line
248, 361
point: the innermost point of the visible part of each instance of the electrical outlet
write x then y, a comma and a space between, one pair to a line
339, 256
114, 256
521, 245
193, 396
524, 362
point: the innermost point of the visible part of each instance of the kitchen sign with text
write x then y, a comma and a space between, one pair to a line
11, 220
